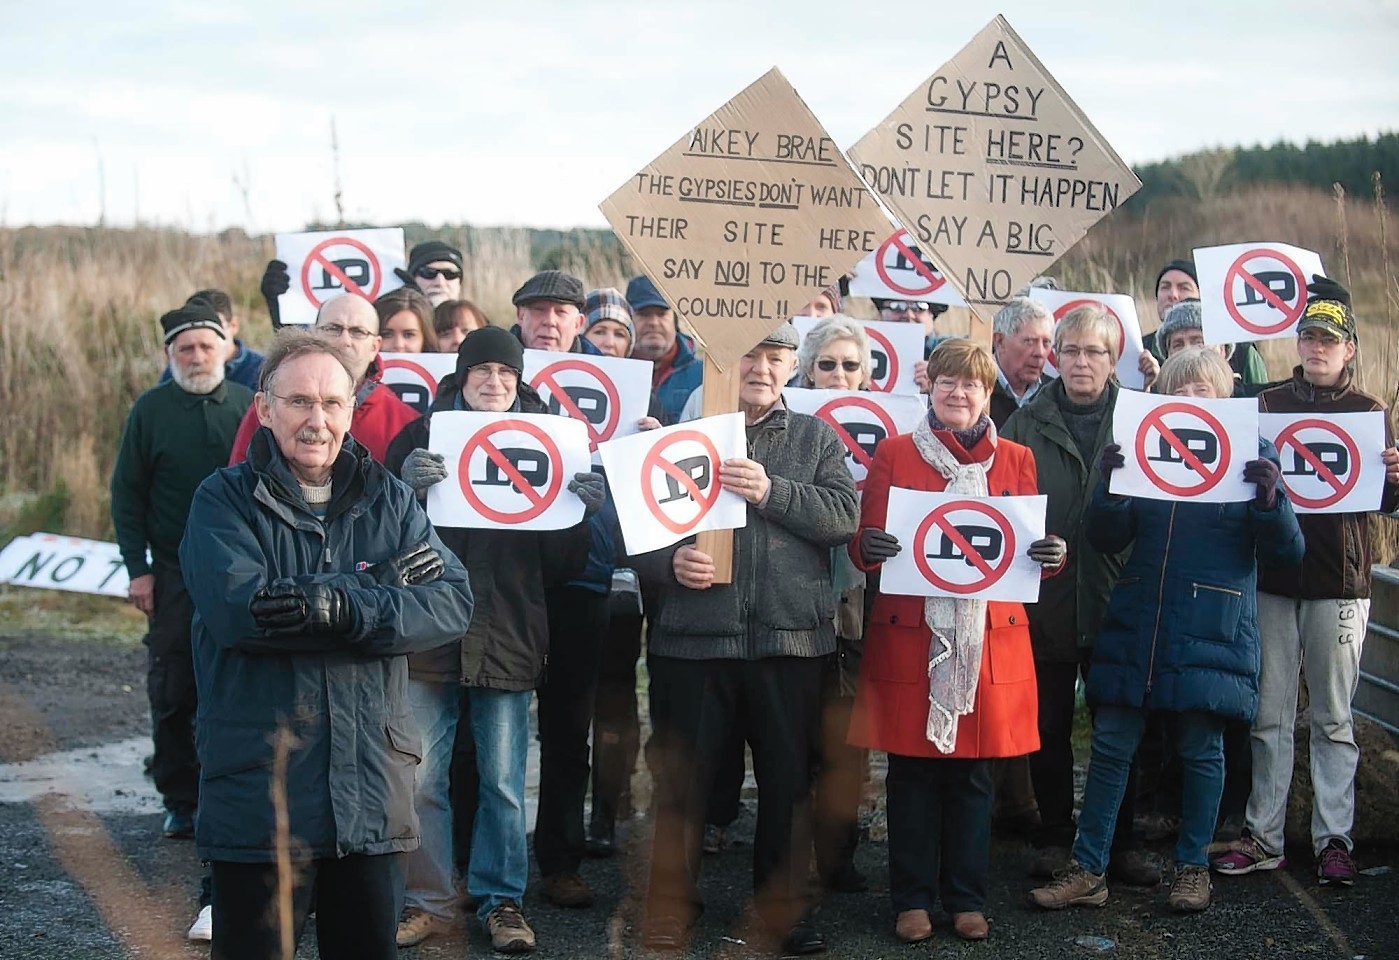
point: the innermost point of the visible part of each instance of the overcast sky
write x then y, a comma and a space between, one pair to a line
530, 113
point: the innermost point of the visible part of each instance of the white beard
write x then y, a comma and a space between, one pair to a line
198, 384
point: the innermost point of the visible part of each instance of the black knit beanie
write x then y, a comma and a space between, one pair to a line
489, 345
1184, 266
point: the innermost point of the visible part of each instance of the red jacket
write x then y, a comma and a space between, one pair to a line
379, 416
891, 697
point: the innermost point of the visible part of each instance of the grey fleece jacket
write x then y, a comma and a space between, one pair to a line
780, 603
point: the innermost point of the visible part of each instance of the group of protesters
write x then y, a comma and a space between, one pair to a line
339, 684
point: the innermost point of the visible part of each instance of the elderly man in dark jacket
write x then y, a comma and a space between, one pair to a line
749, 655
313, 572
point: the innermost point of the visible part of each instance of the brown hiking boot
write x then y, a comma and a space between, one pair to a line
568, 890
1191, 891
510, 931
1072, 887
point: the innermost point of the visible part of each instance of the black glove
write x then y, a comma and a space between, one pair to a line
1264, 474
1049, 551
1324, 288
409, 281
876, 546
411, 568
590, 488
275, 282
1111, 459
285, 607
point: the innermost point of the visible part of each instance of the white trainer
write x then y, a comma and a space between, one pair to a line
203, 927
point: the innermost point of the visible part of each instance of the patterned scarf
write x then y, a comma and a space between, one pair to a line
958, 626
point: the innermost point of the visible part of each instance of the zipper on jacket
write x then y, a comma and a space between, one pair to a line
1195, 589
1160, 597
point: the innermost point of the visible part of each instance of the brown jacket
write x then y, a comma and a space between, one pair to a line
1337, 563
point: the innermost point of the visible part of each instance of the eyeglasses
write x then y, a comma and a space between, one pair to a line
948, 385
1091, 354
432, 273
1319, 339
335, 331
333, 406
484, 371
826, 364
899, 305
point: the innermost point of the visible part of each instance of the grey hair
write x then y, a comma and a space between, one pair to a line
1093, 320
1196, 365
292, 343
1014, 315
832, 328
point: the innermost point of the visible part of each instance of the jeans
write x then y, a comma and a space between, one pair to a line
428, 876
1117, 731
499, 854
939, 832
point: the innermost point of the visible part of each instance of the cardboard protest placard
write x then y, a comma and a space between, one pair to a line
1182, 448
607, 394
1330, 462
74, 564
1120, 308
899, 270
1253, 291
993, 168
669, 480
861, 418
895, 349
747, 217
413, 377
963, 547
507, 471
325, 264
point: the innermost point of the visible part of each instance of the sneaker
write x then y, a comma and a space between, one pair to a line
716, 838
1072, 887
1134, 869
567, 889
1190, 893
1245, 856
178, 825
1335, 866
202, 930
416, 925
1048, 862
510, 931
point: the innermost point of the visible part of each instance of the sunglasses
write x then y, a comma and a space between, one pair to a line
432, 273
826, 365
897, 305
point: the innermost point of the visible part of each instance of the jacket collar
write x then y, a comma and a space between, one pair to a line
1311, 393
350, 476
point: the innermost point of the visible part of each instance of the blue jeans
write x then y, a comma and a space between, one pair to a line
428, 877
1116, 733
499, 856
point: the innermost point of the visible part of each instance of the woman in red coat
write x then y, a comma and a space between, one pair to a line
946, 684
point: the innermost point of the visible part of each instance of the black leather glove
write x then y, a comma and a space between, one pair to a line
1111, 459
286, 606
411, 568
876, 546
1049, 551
275, 282
1324, 288
409, 281
1264, 474
590, 488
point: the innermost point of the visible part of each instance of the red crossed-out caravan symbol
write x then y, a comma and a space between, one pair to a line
340, 265
599, 407
860, 434
691, 482
902, 268
1063, 312
1331, 460
527, 478
970, 555
1265, 288
884, 373
419, 396
1192, 448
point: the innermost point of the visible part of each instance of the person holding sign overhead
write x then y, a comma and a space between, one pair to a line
1180, 636
1314, 619
748, 656
1178, 281
908, 701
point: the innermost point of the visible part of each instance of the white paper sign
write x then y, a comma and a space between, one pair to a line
1330, 462
1181, 448
325, 264
1120, 308
607, 394
413, 377
963, 547
1253, 291
899, 270
666, 482
861, 419
64, 563
507, 471
895, 348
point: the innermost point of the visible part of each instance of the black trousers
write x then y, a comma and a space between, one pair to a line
171, 692
463, 785
1238, 769
840, 780
1052, 766
774, 705
356, 899
616, 721
939, 832
577, 626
